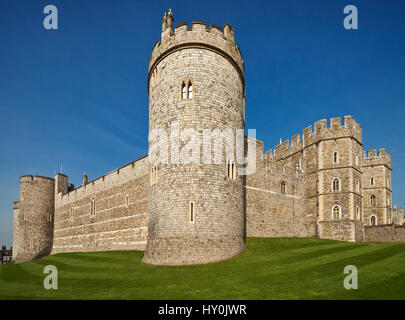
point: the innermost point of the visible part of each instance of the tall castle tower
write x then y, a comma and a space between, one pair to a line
339, 179
331, 160
196, 82
33, 218
377, 187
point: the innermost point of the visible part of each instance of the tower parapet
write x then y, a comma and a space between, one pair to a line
313, 134
374, 158
221, 41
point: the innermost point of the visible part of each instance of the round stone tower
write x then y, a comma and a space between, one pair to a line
33, 225
196, 203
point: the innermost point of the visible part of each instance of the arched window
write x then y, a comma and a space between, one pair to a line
372, 200
357, 160
335, 157
388, 201
358, 213
190, 90
373, 221
336, 184
283, 187
231, 170
372, 181
336, 212
183, 91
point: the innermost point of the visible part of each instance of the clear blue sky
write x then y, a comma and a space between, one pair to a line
78, 96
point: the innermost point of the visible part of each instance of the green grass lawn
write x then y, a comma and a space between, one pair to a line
271, 268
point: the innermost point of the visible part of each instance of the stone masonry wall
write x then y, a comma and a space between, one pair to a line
33, 219
384, 233
213, 65
269, 211
344, 230
119, 221
16, 227
314, 155
377, 166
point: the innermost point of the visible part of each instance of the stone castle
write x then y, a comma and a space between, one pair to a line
321, 184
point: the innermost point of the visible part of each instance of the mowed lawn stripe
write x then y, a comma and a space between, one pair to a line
271, 268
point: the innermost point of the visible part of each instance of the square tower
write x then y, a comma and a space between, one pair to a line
377, 187
339, 180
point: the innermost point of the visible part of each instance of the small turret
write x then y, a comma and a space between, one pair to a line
167, 24
84, 178
61, 184
229, 33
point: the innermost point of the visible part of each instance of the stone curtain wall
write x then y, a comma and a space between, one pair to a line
120, 220
344, 230
384, 233
269, 212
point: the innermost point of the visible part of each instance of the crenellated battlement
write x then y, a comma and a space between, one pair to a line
318, 132
31, 178
118, 176
265, 159
372, 157
221, 40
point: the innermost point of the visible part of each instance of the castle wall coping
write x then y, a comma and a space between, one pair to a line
184, 23
115, 170
216, 27
199, 22
90, 184
60, 174
34, 177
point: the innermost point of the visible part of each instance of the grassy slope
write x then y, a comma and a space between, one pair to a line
281, 268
